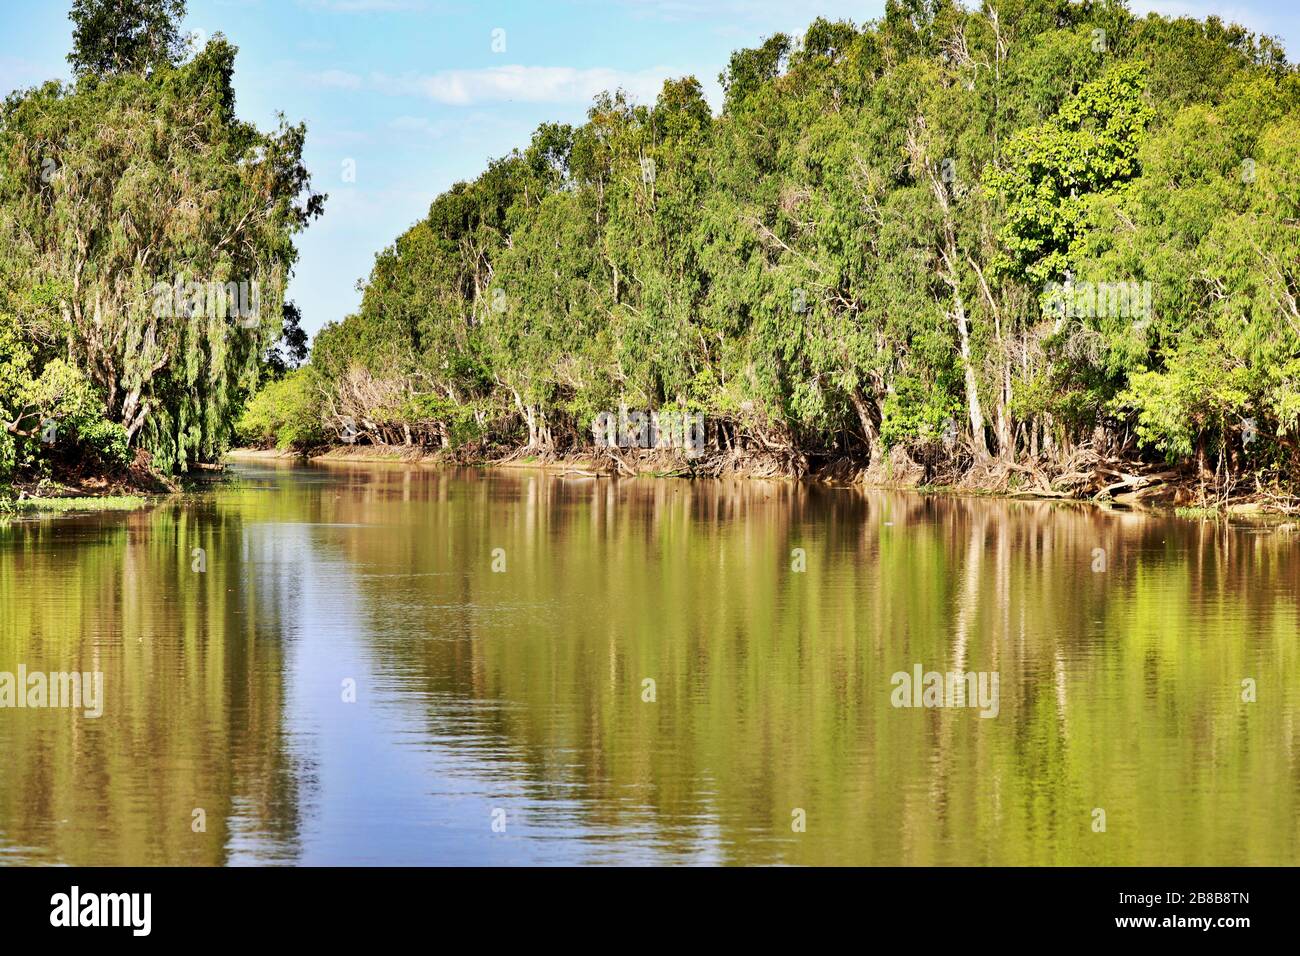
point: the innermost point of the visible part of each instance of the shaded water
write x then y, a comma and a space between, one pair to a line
521, 690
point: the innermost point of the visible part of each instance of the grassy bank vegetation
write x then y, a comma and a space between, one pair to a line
64, 505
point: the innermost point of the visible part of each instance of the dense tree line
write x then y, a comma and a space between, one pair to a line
145, 241
994, 239
1009, 243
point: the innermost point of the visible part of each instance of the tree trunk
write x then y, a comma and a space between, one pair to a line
870, 430
972, 386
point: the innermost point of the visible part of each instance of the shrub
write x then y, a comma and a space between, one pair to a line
286, 413
105, 439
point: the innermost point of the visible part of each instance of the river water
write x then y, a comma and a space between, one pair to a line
406, 665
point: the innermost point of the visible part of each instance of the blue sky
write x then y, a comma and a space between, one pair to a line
414, 95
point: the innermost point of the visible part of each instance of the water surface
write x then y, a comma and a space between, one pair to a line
500, 628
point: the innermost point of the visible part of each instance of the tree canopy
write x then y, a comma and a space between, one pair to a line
992, 236
146, 236
125, 36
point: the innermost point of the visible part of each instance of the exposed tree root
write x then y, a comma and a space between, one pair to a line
1081, 474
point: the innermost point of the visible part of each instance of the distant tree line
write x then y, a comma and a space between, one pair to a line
985, 237
1002, 241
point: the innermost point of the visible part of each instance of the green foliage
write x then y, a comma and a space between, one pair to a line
286, 413
63, 505
915, 413
57, 409
119, 36
64, 398
107, 440
145, 240
855, 253
15, 388
1052, 171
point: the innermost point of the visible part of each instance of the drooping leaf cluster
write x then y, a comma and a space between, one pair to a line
146, 236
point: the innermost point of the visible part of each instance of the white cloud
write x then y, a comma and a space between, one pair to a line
413, 124
1199, 11
364, 6
752, 10
525, 84
355, 207
464, 127
502, 84
325, 136
334, 80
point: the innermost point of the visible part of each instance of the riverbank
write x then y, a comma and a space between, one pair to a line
64, 505
76, 486
1130, 487
1082, 478
121, 493
597, 463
